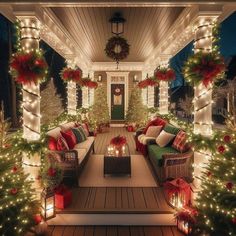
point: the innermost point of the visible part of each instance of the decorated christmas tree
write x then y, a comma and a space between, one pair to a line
216, 201
18, 206
50, 104
99, 113
137, 112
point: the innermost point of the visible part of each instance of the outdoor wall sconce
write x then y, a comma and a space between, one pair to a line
99, 78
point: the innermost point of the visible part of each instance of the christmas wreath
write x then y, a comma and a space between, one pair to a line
69, 74
27, 68
204, 68
147, 82
117, 48
165, 74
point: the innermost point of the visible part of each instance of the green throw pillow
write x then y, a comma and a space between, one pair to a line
171, 129
79, 134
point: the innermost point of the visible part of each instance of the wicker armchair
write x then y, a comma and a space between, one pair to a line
175, 165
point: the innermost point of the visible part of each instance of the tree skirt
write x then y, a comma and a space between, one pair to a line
141, 176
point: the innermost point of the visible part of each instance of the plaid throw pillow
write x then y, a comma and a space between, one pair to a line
180, 141
79, 134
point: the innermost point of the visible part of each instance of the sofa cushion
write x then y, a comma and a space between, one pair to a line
144, 139
67, 126
79, 134
55, 133
86, 144
155, 153
164, 138
153, 131
70, 138
155, 122
81, 154
52, 143
171, 129
180, 142
62, 144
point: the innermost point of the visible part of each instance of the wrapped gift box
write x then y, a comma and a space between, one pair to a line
178, 193
63, 197
130, 128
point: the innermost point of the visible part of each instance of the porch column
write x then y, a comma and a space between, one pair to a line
91, 90
30, 31
71, 92
145, 90
85, 92
163, 91
203, 96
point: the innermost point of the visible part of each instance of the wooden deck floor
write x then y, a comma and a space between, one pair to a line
103, 139
118, 199
113, 231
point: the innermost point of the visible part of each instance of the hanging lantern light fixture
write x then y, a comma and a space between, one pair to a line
117, 24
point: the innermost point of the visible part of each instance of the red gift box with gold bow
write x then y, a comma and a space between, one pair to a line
63, 197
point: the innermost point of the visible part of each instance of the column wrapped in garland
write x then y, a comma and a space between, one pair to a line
28, 67
202, 69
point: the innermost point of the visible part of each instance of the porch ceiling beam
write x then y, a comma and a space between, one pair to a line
123, 66
116, 3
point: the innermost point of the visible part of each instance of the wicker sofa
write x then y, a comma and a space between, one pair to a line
167, 162
71, 161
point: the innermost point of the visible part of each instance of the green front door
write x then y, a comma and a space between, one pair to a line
117, 101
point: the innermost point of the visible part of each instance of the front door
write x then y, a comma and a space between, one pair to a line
117, 101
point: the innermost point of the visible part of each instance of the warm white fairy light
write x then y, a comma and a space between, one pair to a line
163, 100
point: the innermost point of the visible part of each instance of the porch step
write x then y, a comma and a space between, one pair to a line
113, 219
117, 123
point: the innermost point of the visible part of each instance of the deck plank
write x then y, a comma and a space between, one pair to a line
111, 198
150, 199
111, 231
130, 198
89, 231
118, 198
136, 231
79, 231
100, 198
167, 231
91, 198
100, 231
69, 231
124, 196
152, 231
58, 230
139, 201
123, 231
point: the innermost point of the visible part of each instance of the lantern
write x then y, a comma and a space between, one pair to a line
117, 24
186, 220
47, 204
178, 193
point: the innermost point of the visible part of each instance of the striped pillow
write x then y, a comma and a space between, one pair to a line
180, 142
79, 134
62, 144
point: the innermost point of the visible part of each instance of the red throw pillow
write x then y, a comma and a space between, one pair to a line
62, 144
52, 143
180, 142
156, 122
69, 137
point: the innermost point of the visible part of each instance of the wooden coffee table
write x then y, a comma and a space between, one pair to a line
115, 164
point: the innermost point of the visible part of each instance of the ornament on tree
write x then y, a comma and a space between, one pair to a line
52, 172
221, 149
204, 68
227, 138
14, 169
14, 191
229, 185
209, 174
27, 68
37, 219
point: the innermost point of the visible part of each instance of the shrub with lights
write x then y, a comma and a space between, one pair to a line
18, 206
216, 201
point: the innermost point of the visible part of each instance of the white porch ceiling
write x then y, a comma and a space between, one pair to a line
145, 28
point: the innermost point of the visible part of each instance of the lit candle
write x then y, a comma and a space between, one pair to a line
117, 153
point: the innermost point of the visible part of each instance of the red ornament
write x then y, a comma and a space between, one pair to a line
229, 185
37, 219
14, 169
51, 171
234, 220
227, 138
209, 174
14, 191
221, 149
